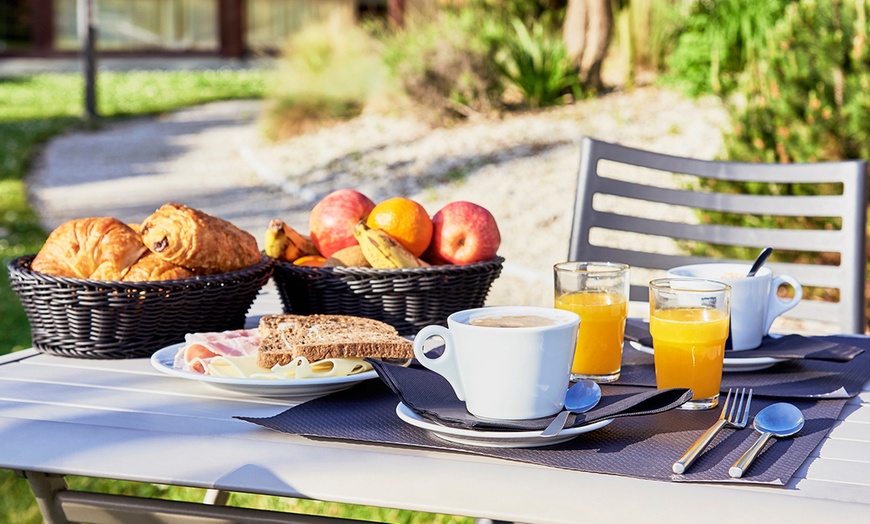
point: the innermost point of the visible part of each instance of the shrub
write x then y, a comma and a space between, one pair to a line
812, 94
461, 62
720, 38
328, 72
447, 64
536, 62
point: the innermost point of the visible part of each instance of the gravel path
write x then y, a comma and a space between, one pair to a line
522, 168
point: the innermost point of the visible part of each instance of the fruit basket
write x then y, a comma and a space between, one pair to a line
408, 298
98, 319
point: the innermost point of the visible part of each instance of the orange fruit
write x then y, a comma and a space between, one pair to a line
310, 260
405, 220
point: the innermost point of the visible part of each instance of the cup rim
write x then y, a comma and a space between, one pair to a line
606, 267
570, 317
762, 272
667, 283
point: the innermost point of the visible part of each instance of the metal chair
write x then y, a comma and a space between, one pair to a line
641, 209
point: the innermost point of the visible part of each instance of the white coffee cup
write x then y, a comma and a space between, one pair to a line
511, 373
754, 302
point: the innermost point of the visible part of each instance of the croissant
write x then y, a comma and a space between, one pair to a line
200, 242
151, 267
97, 248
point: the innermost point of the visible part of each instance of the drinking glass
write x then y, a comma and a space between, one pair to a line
689, 322
598, 292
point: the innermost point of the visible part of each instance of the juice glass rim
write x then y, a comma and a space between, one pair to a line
602, 268
667, 283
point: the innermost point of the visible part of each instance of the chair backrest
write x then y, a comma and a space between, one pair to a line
648, 215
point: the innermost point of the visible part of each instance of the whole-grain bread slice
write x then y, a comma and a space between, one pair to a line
316, 337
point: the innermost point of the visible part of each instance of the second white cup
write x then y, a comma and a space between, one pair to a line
754, 302
505, 362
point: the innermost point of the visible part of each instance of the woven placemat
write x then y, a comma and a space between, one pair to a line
641, 447
800, 378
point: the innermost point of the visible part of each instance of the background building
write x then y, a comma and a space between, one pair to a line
230, 28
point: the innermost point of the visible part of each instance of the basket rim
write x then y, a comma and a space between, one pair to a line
368, 271
21, 266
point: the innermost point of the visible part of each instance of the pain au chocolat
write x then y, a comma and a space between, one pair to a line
197, 241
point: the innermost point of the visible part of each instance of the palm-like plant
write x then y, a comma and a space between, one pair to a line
536, 62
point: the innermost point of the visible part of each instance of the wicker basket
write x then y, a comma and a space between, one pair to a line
408, 299
97, 319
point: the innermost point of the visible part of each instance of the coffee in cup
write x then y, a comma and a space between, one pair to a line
754, 302
505, 362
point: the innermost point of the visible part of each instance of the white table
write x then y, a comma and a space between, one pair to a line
124, 420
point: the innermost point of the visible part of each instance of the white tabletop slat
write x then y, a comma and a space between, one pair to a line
125, 420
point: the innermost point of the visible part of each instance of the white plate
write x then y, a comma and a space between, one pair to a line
164, 358
494, 439
730, 365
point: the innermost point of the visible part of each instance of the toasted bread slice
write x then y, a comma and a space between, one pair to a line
316, 337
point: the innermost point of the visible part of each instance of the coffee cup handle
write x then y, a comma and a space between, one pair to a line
776, 306
445, 364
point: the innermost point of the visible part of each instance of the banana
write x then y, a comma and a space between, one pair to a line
383, 251
285, 243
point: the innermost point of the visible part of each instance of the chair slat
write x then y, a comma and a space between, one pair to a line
787, 206
800, 240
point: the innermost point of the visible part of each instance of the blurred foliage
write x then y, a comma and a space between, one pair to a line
446, 64
328, 72
718, 40
808, 97
483, 56
536, 62
645, 34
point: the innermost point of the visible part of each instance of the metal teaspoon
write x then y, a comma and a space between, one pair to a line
759, 261
776, 420
581, 397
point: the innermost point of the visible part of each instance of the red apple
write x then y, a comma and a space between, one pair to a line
463, 233
332, 219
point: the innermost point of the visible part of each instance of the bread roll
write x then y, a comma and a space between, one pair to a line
200, 242
152, 267
97, 248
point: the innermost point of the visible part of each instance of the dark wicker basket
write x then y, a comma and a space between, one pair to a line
96, 319
408, 299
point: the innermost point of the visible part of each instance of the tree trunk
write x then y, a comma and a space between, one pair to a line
586, 33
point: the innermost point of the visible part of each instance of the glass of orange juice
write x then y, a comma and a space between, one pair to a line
689, 322
598, 292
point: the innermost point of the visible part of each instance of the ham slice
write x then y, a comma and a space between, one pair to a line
200, 348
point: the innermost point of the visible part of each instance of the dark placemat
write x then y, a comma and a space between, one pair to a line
786, 346
801, 378
642, 447
430, 395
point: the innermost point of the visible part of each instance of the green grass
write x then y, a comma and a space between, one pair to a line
34, 109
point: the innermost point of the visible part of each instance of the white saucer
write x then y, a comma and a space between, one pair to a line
730, 365
305, 388
493, 439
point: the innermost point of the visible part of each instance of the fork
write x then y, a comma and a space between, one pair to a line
735, 418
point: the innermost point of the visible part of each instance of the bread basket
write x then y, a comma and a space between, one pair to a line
97, 319
408, 299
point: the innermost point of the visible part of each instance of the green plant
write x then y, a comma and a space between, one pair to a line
328, 72
720, 38
537, 63
446, 64
809, 97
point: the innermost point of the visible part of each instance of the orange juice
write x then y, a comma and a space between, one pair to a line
689, 346
602, 328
